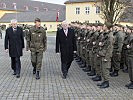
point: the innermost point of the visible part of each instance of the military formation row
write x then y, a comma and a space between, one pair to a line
104, 49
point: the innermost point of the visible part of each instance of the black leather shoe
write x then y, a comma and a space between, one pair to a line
64, 76
125, 70
34, 70
17, 76
37, 75
127, 85
97, 78
131, 86
14, 73
114, 74
104, 85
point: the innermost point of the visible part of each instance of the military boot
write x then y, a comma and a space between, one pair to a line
114, 74
83, 65
130, 86
79, 60
125, 70
87, 69
92, 73
105, 84
97, 78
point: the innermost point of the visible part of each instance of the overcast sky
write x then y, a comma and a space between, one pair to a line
53, 1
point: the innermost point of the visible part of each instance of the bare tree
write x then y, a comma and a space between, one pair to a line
112, 10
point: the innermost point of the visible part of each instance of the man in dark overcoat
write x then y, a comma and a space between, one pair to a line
66, 45
14, 44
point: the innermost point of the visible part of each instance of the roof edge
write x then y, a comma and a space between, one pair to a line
69, 2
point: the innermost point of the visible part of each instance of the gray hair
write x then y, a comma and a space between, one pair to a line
65, 22
14, 21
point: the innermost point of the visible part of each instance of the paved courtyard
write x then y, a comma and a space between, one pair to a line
78, 86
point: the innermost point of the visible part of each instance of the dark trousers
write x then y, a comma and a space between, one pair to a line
16, 64
65, 67
1, 35
130, 69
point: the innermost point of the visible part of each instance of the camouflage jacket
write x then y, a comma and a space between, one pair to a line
36, 39
107, 46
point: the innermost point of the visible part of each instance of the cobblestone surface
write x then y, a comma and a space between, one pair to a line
78, 86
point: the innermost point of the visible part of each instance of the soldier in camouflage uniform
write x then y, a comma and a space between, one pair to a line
124, 64
116, 58
91, 52
80, 43
105, 52
36, 43
88, 30
78, 38
130, 58
83, 46
98, 58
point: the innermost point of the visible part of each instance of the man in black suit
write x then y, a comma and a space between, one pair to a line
14, 44
66, 45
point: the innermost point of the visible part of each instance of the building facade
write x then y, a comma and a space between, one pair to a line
83, 11
88, 10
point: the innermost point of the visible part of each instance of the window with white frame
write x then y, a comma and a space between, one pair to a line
77, 10
97, 21
87, 10
97, 9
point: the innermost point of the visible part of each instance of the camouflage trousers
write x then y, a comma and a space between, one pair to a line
116, 58
81, 51
130, 67
84, 55
78, 49
97, 61
36, 60
87, 58
105, 65
91, 58
124, 60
